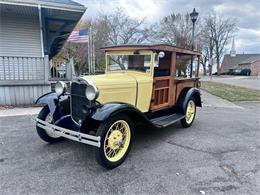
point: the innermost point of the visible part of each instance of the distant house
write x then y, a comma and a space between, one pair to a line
234, 63
32, 32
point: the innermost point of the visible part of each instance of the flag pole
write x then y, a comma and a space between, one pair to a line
91, 50
92, 54
89, 71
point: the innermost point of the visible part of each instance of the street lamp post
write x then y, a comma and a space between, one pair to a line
193, 15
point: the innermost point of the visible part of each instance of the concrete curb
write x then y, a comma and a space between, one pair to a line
20, 111
210, 100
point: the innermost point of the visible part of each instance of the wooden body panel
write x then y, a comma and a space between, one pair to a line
163, 89
181, 84
167, 89
160, 95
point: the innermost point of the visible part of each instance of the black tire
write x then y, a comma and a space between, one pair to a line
102, 132
41, 132
184, 122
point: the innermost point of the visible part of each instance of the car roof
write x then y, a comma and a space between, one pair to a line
154, 47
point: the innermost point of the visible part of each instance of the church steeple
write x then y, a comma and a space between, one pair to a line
233, 49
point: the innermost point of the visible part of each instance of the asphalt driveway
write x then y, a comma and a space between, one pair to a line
219, 154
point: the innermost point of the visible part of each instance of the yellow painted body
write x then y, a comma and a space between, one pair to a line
121, 86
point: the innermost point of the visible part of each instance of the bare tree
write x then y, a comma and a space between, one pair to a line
204, 59
117, 29
77, 51
219, 31
206, 49
100, 30
175, 29
121, 29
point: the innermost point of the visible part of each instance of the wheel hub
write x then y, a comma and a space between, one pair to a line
115, 139
190, 112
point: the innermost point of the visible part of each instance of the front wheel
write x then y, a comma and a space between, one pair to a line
189, 113
116, 139
50, 137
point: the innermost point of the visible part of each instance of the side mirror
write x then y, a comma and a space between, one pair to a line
161, 54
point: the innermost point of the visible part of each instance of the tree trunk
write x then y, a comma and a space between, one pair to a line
204, 70
218, 65
217, 57
210, 70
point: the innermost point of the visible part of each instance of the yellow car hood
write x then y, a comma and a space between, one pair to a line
122, 87
116, 87
112, 80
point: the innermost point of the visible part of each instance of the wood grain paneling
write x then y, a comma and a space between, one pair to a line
184, 83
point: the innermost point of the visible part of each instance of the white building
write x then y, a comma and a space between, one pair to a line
31, 33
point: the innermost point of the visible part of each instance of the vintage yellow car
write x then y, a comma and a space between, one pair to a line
151, 84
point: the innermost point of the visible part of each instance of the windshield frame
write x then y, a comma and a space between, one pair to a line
150, 53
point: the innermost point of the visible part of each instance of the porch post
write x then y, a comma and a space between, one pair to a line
69, 69
46, 69
41, 31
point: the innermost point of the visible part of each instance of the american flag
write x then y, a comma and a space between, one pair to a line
79, 36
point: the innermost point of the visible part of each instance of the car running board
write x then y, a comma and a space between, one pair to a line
165, 121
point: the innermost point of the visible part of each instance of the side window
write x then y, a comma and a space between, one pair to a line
182, 67
163, 65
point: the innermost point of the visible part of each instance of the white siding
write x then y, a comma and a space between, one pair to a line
22, 95
19, 36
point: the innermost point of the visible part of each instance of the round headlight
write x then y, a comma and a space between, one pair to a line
91, 92
60, 88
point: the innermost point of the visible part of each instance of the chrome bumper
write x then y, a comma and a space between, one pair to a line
69, 134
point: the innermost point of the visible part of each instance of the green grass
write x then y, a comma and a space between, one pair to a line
230, 92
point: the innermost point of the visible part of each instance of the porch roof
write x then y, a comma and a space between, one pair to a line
68, 5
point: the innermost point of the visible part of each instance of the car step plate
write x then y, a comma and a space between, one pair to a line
165, 121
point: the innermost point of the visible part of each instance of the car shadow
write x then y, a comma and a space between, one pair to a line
84, 155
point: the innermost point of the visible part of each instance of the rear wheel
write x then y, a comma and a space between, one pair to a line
190, 113
116, 139
50, 137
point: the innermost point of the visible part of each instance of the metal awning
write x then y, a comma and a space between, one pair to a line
57, 26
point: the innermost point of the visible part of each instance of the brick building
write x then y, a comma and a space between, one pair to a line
234, 63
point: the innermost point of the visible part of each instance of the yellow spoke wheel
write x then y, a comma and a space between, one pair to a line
190, 113
117, 140
116, 136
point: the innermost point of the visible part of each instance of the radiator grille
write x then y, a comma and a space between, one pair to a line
79, 102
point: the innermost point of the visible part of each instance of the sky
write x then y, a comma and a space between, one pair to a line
246, 12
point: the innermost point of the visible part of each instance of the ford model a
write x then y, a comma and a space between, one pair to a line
152, 84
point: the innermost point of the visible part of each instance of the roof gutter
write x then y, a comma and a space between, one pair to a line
251, 62
43, 4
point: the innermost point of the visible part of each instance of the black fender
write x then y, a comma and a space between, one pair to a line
110, 109
192, 92
58, 105
103, 112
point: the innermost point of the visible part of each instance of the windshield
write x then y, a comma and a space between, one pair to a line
129, 62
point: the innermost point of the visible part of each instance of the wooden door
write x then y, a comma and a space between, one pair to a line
163, 95
160, 96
